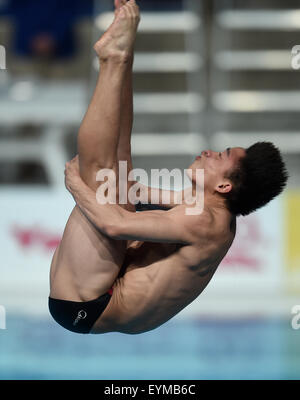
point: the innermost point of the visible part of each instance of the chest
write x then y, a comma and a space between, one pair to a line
145, 253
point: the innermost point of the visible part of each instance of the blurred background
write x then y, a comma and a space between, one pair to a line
208, 74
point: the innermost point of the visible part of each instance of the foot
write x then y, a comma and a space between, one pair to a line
118, 41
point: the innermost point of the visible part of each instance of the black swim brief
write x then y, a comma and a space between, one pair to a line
78, 316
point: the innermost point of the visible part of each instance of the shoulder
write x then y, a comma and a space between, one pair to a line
213, 228
202, 225
212, 237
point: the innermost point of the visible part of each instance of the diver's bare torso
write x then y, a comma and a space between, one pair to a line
153, 281
162, 279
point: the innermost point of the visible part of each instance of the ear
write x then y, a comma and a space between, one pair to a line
224, 187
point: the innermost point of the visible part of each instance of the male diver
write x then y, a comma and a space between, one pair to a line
116, 270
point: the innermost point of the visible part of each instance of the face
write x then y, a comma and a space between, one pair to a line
216, 165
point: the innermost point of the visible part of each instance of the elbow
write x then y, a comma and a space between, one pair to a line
112, 230
114, 224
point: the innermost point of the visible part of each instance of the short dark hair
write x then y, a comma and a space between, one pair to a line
260, 176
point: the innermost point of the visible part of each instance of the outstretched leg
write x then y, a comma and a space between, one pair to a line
87, 263
124, 145
98, 139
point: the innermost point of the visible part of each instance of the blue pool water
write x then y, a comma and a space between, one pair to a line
196, 349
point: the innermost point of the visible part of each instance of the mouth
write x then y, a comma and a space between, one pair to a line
198, 158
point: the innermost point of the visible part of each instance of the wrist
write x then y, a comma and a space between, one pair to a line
75, 185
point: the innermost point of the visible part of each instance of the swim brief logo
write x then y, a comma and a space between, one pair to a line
2, 317
296, 57
2, 57
81, 315
296, 318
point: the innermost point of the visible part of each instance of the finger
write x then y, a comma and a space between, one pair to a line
77, 161
74, 160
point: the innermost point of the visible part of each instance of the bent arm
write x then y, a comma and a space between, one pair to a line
165, 199
117, 223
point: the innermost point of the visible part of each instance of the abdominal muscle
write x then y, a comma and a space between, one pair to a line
86, 263
156, 285
153, 288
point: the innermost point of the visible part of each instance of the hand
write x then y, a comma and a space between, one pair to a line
72, 174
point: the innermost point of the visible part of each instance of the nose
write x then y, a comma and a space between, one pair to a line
206, 153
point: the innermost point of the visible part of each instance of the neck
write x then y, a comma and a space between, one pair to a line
212, 201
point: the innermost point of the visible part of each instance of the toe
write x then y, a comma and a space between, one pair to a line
117, 4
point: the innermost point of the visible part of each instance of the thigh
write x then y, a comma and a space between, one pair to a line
86, 263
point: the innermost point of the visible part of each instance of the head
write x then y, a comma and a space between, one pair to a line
244, 179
